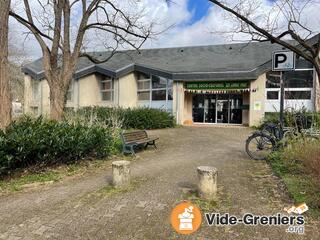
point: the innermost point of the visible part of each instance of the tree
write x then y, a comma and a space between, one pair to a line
5, 96
284, 20
54, 27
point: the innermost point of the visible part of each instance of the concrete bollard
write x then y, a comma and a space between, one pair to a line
121, 173
207, 182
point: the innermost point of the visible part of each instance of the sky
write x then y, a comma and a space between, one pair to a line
199, 9
180, 22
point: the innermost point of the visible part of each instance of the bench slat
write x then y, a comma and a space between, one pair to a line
134, 138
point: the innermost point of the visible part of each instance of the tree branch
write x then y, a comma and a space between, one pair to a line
273, 39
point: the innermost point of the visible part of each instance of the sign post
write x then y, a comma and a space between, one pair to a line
282, 61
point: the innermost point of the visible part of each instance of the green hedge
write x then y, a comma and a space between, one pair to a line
27, 142
130, 118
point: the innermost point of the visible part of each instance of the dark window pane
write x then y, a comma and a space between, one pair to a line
141, 76
273, 80
159, 82
298, 95
107, 96
159, 95
273, 95
69, 96
143, 85
298, 79
198, 108
303, 64
144, 96
106, 85
292, 79
170, 94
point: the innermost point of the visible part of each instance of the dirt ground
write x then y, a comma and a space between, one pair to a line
82, 208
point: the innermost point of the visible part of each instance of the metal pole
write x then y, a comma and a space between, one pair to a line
281, 100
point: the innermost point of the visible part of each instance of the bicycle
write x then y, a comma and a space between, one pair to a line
261, 143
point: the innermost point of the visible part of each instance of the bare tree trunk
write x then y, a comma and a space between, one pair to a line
5, 95
57, 99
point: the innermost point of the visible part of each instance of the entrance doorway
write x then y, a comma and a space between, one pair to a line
217, 108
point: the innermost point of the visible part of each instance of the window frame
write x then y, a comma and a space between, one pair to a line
277, 85
111, 90
35, 93
290, 90
167, 88
273, 90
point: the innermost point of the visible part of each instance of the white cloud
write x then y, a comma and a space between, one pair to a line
181, 33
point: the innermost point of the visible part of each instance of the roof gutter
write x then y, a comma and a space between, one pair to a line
187, 76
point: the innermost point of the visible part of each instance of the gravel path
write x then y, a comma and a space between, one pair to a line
76, 209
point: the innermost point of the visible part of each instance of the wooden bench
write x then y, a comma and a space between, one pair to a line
133, 139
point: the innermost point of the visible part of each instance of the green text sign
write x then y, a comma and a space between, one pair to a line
217, 85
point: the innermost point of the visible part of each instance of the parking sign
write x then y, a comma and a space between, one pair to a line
283, 61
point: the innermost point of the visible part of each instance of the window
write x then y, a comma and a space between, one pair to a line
158, 95
155, 91
106, 86
303, 64
159, 88
292, 79
70, 92
144, 96
144, 86
298, 95
273, 95
35, 85
158, 82
298, 79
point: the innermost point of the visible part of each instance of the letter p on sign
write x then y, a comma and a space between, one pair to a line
283, 61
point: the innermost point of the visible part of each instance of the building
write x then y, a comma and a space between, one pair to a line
227, 84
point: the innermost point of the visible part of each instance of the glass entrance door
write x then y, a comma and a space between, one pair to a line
198, 108
210, 108
217, 108
223, 108
235, 109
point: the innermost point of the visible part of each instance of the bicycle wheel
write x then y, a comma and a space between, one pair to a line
259, 146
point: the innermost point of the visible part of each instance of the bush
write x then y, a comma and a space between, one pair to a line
28, 142
135, 118
298, 165
310, 119
306, 153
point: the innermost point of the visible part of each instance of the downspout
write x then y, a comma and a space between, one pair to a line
118, 97
78, 93
177, 103
316, 89
41, 97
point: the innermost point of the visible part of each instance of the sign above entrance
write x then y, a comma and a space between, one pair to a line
283, 61
232, 85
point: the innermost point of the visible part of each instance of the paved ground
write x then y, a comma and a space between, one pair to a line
76, 209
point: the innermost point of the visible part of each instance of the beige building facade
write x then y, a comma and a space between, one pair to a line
198, 85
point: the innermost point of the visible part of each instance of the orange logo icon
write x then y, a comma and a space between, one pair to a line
186, 218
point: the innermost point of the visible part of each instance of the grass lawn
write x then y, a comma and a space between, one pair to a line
30, 179
301, 186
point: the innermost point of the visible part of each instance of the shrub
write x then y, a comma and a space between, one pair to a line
310, 119
298, 165
28, 142
130, 118
147, 118
306, 153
